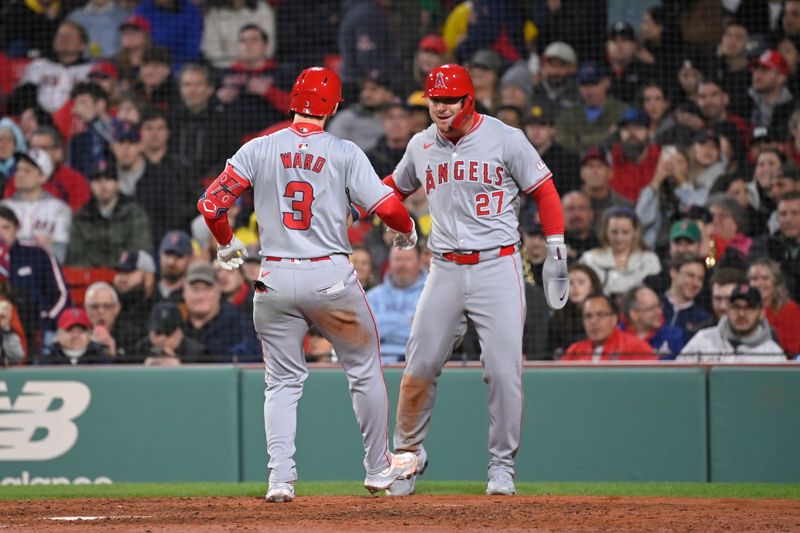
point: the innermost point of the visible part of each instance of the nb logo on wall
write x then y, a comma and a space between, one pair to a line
39, 425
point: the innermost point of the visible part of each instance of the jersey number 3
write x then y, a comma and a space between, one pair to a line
483, 203
302, 195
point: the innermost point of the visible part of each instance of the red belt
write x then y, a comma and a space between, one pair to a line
474, 258
273, 258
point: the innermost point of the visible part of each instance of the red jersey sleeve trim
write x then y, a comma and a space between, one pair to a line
538, 183
379, 202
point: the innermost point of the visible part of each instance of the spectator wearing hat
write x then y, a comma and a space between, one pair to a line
222, 26
579, 218
679, 303
214, 322
12, 141
604, 340
13, 342
176, 25
88, 148
431, 53
540, 129
175, 252
44, 219
106, 75
36, 282
361, 122
771, 102
713, 103
163, 194
742, 336
255, 88
781, 311
707, 162
73, 342
621, 262
596, 177
628, 72
154, 82
634, 158
684, 237
589, 123
49, 79
100, 19
391, 146
134, 39
134, 282
642, 316
516, 87
66, 183
557, 88
108, 225
165, 343
784, 245
723, 282
484, 68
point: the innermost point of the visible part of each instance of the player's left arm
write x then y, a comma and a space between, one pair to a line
533, 176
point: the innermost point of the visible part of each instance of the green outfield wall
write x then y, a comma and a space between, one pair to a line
694, 424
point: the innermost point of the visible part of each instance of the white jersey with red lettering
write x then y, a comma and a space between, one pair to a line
473, 186
304, 179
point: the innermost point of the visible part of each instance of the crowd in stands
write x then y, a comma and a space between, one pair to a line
673, 134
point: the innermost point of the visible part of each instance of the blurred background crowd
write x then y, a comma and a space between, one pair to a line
671, 127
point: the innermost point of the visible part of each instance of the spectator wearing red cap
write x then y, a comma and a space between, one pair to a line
106, 75
100, 19
771, 103
134, 38
74, 344
431, 53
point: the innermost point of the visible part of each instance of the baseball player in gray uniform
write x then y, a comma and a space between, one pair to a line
473, 169
303, 180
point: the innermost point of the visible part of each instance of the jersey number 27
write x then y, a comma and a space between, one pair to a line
302, 195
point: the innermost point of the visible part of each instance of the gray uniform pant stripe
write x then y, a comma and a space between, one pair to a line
327, 294
491, 293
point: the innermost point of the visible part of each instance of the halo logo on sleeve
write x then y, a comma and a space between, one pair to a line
39, 424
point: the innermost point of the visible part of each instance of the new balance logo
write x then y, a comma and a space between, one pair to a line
46, 409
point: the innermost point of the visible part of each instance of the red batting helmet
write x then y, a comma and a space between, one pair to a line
316, 92
452, 81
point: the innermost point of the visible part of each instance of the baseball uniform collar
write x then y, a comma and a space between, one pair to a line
305, 128
477, 121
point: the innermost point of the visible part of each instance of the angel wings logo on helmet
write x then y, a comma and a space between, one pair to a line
440, 84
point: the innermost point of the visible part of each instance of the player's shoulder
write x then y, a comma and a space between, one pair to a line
496, 126
423, 137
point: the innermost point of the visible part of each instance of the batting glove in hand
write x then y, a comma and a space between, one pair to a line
406, 241
231, 255
555, 277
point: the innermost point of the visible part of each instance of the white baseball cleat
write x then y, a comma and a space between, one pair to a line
501, 484
280, 492
407, 487
403, 466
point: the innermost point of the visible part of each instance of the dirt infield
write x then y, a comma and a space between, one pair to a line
417, 513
